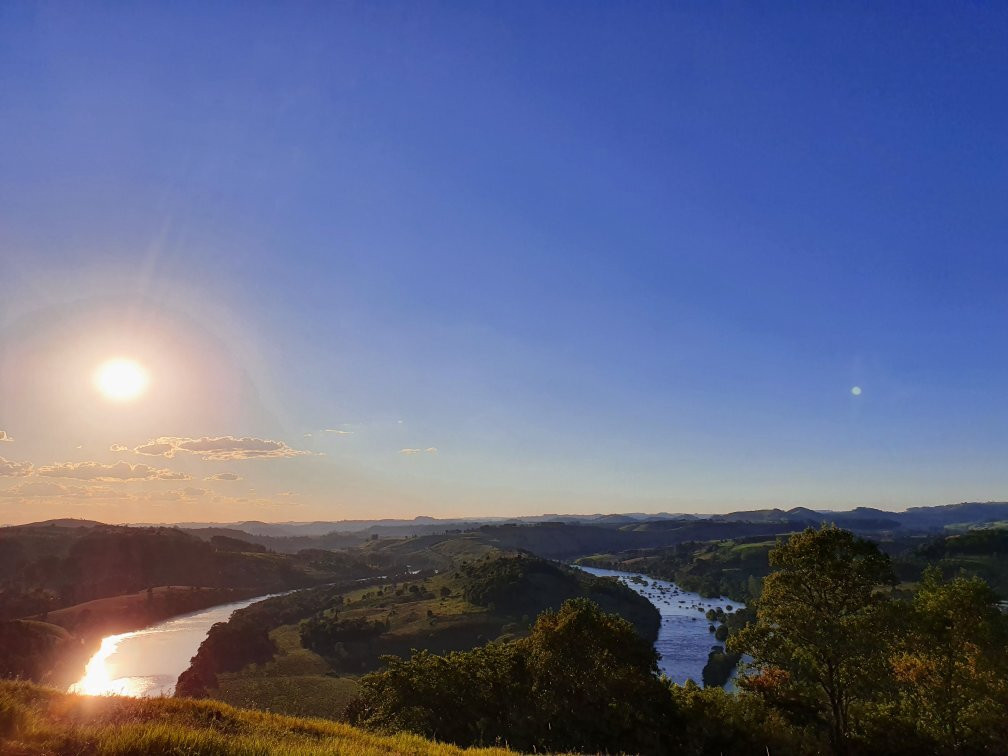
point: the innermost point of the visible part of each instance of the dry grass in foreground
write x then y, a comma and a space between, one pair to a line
37, 720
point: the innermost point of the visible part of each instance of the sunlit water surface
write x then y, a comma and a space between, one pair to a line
683, 638
148, 662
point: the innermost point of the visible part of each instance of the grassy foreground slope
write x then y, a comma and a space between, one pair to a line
36, 720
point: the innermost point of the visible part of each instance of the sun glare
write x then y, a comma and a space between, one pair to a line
97, 680
121, 379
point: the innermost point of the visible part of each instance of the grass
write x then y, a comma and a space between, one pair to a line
433, 551
297, 682
295, 695
36, 720
757, 547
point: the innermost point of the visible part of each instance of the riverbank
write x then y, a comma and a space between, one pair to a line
135, 611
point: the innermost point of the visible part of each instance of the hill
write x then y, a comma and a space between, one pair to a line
322, 639
866, 519
35, 720
45, 567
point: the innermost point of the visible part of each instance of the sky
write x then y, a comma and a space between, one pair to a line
496, 259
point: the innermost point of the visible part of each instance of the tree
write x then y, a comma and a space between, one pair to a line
583, 680
819, 641
594, 682
950, 668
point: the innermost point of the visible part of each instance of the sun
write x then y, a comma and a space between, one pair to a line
121, 379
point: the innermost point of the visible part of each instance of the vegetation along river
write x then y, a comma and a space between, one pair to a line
684, 640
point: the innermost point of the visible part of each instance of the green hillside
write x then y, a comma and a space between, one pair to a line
267, 655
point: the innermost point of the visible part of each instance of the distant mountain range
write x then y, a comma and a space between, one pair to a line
913, 519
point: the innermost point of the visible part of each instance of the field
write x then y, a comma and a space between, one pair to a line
35, 720
297, 682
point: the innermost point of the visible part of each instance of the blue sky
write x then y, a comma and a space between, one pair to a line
601, 257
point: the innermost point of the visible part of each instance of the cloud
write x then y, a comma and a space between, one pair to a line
39, 491
219, 448
156, 449
119, 471
50, 488
411, 452
338, 432
35, 488
224, 476
5, 436
118, 448
9, 469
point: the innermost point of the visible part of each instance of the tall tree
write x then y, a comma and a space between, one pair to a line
951, 667
819, 641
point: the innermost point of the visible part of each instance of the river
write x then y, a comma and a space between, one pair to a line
148, 662
683, 638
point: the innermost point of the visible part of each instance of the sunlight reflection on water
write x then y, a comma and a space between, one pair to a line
148, 662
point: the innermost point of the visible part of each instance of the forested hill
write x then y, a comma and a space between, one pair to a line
50, 566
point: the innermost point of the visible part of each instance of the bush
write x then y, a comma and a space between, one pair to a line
528, 693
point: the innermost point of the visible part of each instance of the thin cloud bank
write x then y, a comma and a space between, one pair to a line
5, 436
9, 469
428, 450
50, 488
36, 490
224, 476
117, 472
218, 449
338, 432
